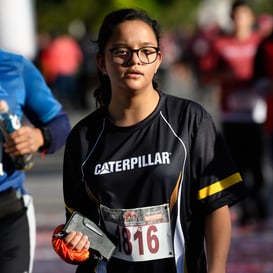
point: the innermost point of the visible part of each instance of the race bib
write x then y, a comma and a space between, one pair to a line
142, 234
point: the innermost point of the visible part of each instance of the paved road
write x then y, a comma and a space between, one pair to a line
251, 248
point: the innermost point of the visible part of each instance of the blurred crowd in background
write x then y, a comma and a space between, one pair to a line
67, 60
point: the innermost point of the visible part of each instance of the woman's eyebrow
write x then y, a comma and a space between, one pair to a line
126, 45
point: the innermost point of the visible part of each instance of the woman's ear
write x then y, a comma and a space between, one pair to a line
159, 60
100, 59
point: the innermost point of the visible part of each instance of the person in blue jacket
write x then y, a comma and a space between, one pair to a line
24, 91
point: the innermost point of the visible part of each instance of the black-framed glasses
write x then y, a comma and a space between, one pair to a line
146, 54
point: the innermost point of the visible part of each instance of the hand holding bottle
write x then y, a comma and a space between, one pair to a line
16, 142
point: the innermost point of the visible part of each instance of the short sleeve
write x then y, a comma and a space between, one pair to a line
218, 181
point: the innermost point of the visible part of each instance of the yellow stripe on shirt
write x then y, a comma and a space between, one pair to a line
219, 186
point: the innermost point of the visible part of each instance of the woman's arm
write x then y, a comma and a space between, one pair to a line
218, 236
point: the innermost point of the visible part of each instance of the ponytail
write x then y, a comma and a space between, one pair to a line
102, 94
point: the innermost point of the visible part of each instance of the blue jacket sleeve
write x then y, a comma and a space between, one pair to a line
58, 129
43, 109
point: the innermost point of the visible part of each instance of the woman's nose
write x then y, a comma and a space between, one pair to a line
134, 57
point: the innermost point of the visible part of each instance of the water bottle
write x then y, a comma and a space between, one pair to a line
10, 122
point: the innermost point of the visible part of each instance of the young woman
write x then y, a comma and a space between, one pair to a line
149, 168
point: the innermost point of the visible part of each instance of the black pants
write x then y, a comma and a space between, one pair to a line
14, 246
246, 143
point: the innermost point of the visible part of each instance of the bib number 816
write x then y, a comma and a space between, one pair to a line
131, 239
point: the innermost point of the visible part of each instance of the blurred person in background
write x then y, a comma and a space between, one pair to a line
174, 74
24, 92
200, 57
87, 74
60, 64
263, 73
242, 106
200, 50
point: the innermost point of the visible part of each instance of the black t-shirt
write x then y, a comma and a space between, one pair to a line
151, 184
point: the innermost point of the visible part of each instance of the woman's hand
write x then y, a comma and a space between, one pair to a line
73, 248
77, 241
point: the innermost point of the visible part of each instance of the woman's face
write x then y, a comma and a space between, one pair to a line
126, 71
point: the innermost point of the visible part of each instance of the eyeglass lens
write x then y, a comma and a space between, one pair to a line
146, 55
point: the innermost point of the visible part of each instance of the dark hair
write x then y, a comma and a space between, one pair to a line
236, 4
103, 92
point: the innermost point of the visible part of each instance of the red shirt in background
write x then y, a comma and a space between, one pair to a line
62, 57
235, 61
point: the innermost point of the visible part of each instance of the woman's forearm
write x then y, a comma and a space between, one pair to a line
218, 236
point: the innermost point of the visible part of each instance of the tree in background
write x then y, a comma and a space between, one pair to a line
170, 13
